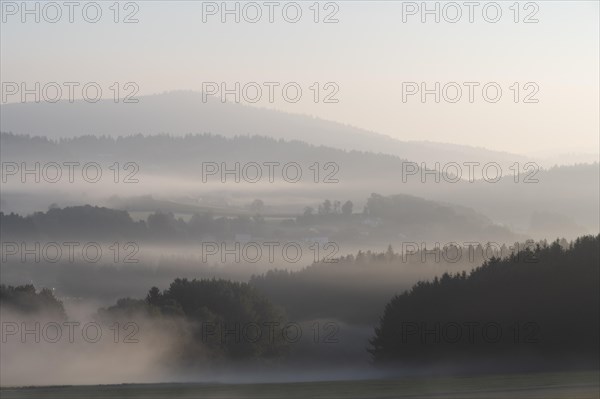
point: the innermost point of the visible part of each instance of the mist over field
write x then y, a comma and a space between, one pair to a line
312, 199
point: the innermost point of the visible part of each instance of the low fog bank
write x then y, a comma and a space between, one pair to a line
41, 349
366, 277
319, 323
49, 351
190, 176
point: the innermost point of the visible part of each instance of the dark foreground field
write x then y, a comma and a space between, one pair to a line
543, 386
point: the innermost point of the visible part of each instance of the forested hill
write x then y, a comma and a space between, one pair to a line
382, 218
514, 312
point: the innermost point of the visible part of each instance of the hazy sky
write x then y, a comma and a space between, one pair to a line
368, 54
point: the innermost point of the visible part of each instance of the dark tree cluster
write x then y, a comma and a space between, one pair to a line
505, 311
224, 319
71, 222
327, 209
100, 223
26, 300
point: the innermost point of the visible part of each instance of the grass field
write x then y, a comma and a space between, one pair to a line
573, 385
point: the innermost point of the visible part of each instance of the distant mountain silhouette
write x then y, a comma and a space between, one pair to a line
182, 112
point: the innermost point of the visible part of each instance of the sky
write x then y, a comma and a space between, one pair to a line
369, 61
